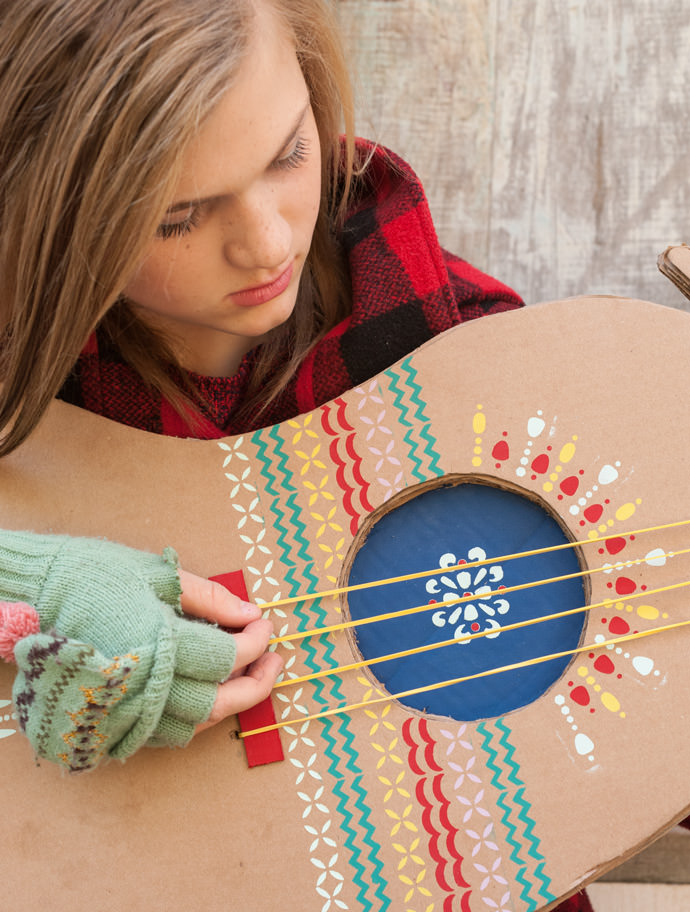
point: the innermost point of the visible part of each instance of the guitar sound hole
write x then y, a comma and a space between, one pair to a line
466, 521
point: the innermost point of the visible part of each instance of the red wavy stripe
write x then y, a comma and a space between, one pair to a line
412, 744
435, 835
443, 804
326, 420
430, 745
342, 405
451, 832
465, 902
357, 473
347, 490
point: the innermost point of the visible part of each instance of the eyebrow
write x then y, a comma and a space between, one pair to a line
188, 204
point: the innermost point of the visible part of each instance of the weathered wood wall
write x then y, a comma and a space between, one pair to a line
552, 137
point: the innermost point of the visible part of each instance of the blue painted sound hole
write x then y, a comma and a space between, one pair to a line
444, 526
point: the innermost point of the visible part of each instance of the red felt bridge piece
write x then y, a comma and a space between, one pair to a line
265, 747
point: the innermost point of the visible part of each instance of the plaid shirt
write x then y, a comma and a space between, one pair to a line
405, 290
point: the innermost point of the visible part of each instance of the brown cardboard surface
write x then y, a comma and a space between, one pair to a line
369, 811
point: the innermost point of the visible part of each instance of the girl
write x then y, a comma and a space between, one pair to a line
189, 246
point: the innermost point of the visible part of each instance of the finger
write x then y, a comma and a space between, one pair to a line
252, 642
207, 599
241, 693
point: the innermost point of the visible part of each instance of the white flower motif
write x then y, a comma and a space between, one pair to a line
471, 616
305, 769
299, 737
240, 482
482, 839
502, 905
456, 740
320, 836
291, 706
464, 772
233, 451
491, 875
314, 802
473, 805
368, 395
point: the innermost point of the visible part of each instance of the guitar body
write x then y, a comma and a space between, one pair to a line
578, 407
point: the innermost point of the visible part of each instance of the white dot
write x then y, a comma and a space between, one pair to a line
570, 720
559, 699
565, 710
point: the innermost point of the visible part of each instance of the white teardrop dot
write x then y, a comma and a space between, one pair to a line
583, 744
643, 664
656, 558
607, 475
535, 426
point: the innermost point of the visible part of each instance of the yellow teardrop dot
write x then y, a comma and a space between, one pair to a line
625, 512
567, 452
648, 612
610, 702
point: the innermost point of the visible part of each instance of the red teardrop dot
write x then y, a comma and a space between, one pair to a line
570, 485
593, 513
541, 463
580, 696
604, 665
501, 450
625, 586
614, 545
619, 626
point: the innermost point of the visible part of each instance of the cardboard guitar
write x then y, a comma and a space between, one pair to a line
511, 797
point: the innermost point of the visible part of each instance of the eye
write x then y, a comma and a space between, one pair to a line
181, 227
296, 157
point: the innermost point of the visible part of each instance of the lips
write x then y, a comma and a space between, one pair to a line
260, 294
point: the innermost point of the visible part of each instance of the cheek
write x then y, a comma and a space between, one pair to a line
158, 279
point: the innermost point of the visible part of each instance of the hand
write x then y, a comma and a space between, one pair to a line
255, 669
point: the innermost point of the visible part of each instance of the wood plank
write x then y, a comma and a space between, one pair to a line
552, 138
607, 897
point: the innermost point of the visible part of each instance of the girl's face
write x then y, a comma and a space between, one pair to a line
225, 265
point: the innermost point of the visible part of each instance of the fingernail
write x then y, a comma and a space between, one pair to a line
250, 608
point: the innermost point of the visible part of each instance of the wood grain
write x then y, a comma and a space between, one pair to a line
551, 137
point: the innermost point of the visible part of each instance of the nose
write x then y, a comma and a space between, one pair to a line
255, 233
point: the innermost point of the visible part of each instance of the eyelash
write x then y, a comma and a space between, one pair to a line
296, 157
177, 229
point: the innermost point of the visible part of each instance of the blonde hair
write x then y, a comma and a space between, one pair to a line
97, 100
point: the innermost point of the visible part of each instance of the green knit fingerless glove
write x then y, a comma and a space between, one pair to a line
115, 665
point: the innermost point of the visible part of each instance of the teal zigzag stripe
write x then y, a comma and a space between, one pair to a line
419, 422
520, 828
308, 620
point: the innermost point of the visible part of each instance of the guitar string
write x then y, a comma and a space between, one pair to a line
341, 590
507, 590
387, 698
365, 663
